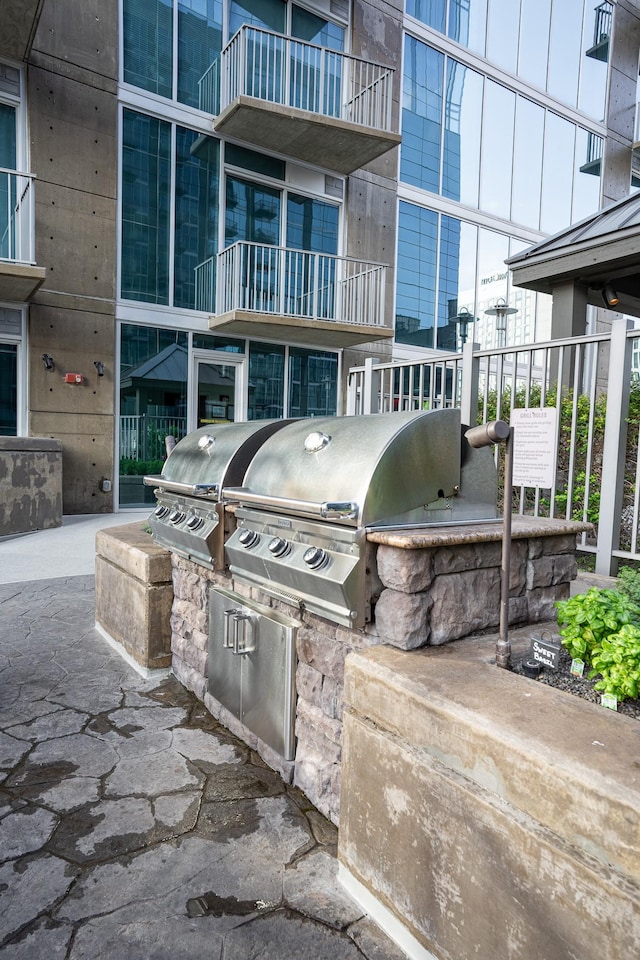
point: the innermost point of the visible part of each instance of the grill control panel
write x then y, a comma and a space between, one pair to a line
189, 527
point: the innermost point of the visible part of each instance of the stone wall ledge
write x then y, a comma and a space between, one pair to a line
131, 549
563, 761
417, 538
39, 444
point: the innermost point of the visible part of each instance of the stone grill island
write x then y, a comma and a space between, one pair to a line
480, 814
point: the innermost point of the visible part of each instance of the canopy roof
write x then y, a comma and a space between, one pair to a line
602, 249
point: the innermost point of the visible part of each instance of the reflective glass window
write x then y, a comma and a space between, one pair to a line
462, 124
252, 213
431, 12
593, 70
310, 281
557, 173
196, 216
497, 149
8, 389
270, 14
313, 378
527, 163
314, 29
493, 250
210, 341
564, 50
199, 43
148, 44
416, 275
312, 224
252, 160
8, 197
456, 280
153, 404
421, 115
534, 42
266, 381
146, 162
586, 180
502, 33
468, 23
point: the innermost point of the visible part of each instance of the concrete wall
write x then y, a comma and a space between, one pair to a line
72, 73
371, 201
492, 816
30, 484
621, 107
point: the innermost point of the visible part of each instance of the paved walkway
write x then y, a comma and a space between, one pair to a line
131, 824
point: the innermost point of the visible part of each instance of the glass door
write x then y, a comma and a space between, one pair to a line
218, 390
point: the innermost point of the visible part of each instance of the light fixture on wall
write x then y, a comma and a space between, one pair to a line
99, 365
610, 297
501, 310
48, 362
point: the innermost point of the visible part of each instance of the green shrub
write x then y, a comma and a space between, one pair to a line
139, 468
602, 627
618, 662
629, 583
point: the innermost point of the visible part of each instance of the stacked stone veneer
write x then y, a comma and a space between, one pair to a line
434, 587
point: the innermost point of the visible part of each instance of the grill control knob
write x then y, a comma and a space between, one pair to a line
315, 557
195, 522
176, 515
249, 538
279, 547
161, 511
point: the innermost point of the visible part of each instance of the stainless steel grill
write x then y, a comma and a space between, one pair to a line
189, 516
314, 488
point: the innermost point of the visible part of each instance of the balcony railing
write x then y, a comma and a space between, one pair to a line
257, 278
283, 70
17, 217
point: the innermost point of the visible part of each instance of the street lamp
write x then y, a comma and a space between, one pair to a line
501, 310
464, 320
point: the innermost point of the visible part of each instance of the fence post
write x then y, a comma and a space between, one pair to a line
614, 448
469, 387
370, 386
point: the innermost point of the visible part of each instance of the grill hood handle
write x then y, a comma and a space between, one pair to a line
190, 489
329, 510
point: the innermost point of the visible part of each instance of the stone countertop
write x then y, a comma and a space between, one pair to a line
418, 538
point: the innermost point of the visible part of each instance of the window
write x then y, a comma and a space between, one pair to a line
148, 246
313, 377
421, 115
543, 43
12, 400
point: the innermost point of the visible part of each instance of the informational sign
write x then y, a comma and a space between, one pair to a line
534, 446
545, 650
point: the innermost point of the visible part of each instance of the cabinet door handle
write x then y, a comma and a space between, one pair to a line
227, 633
243, 625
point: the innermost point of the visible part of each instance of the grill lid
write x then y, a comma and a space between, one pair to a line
212, 456
358, 470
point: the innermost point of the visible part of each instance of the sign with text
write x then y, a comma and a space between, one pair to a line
534, 446
545, 650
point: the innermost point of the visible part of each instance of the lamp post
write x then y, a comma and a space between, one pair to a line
501, 310
464, 320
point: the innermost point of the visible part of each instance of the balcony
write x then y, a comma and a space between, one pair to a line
19, 276
599, 50
282, 294
295, 98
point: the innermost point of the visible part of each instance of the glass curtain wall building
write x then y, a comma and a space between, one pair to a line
187, 194
503, 120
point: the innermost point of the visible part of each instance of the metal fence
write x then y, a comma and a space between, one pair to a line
295, 283
17, 216
589, 379
142, 437
279, 69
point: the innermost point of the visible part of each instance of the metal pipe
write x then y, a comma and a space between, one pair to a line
503, 646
